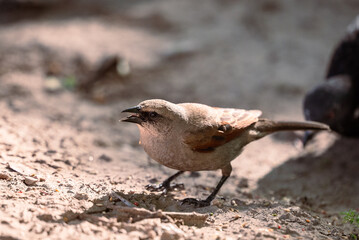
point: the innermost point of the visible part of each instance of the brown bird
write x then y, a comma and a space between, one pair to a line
197, 137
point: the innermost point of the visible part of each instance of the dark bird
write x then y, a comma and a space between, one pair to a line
335, 102
197, 137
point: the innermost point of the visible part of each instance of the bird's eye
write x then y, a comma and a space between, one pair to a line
153, 114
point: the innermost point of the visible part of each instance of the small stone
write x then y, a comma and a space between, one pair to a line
243, 183
30, 181
151, 234
46, 217
218, 202
5, 176
171, 231
52, 84
41, 178
100, 143
238, 202
291, 231
81, 196
287, 217
286, 201
195, 174
316, 222
69, 216
153, 180
123, 68
20, 168
105, 158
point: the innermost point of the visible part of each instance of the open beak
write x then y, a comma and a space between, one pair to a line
134, 118
308, 135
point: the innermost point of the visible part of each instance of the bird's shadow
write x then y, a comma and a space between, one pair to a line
329, 181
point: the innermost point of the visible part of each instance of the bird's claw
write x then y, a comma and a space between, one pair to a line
195, 202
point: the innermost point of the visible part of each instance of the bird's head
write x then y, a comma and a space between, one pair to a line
155, 115
329, 103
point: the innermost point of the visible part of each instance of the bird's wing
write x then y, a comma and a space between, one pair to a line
229, 125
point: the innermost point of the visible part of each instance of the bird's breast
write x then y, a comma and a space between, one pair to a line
172, 152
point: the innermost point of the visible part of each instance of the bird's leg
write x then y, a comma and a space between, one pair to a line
226, 172
165, 186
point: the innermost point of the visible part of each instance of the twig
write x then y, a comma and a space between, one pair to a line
125, 201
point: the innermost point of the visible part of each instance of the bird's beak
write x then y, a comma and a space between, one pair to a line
308, 135
134, 118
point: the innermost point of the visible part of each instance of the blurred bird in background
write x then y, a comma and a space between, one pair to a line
335, 101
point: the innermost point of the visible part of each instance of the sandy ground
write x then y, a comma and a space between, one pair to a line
65, 158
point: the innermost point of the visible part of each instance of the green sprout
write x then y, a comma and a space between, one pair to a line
351, 217
69, 82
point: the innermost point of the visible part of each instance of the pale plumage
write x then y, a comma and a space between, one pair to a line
196, 137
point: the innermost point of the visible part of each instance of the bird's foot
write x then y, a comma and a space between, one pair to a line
195, 202
164, 188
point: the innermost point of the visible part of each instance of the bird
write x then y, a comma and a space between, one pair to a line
335, 101
197, 137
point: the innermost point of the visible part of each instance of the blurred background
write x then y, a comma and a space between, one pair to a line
264, 54
68, 68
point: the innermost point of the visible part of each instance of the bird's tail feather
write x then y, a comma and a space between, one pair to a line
267, 126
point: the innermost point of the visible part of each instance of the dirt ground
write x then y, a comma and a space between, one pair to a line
68, 68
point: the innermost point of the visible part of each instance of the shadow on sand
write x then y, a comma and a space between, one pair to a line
328, 181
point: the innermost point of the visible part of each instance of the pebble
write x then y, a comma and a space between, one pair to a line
30, 181
291, 231
46, 217
152, 234
238, 202
20, 168
287, 217
243, 183
285, 201
52, 84
316, 222
245, 225
41, 178
4, 176
123, 68
171, 231
105, 158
